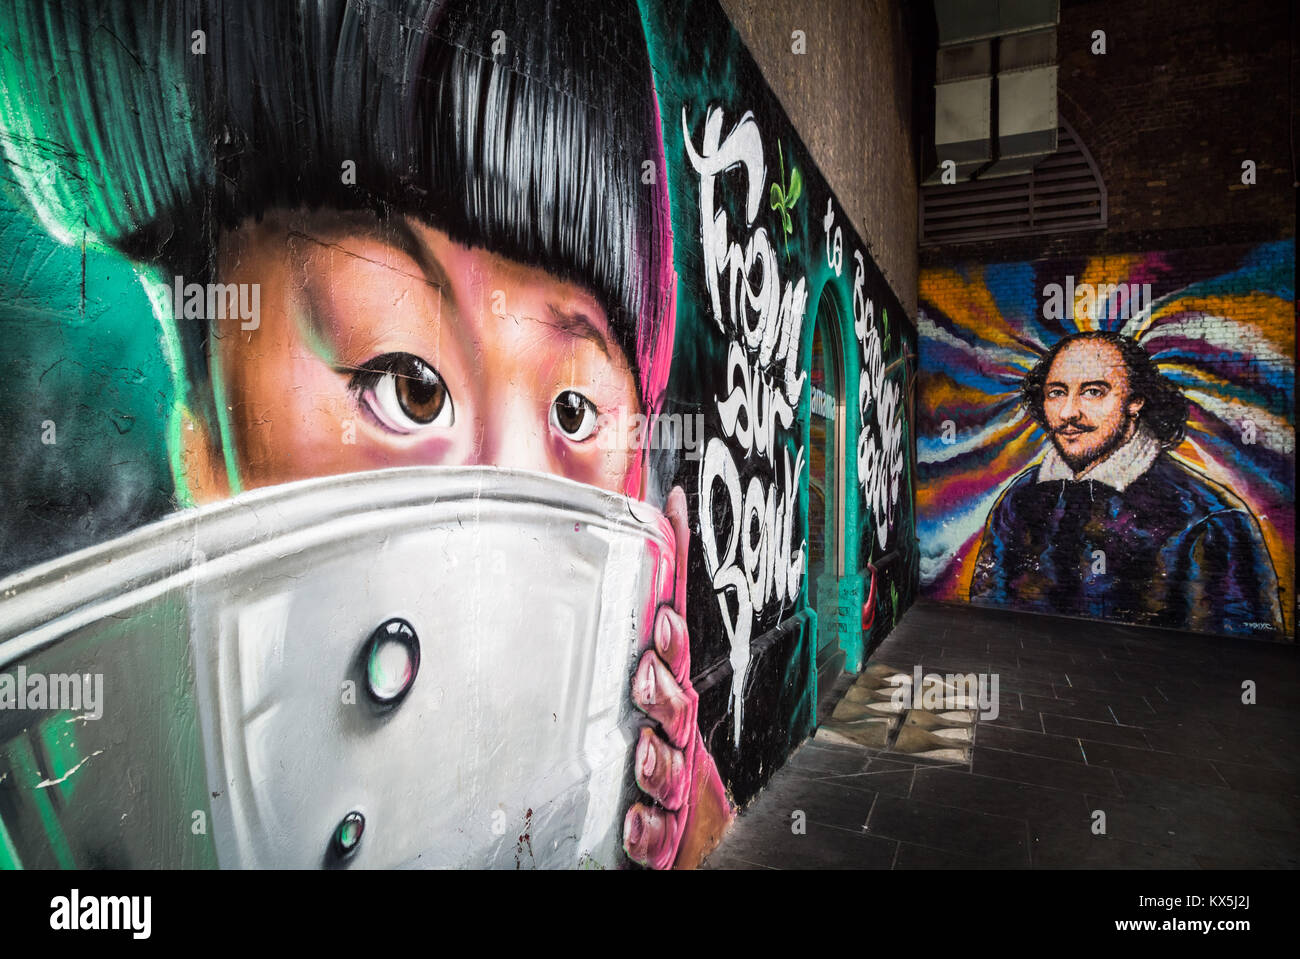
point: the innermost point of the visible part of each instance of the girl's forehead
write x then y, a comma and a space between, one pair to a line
443, 260
355, 256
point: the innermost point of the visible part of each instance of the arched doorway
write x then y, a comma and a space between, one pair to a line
826, 488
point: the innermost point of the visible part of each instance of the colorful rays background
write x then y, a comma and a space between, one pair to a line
1221, 323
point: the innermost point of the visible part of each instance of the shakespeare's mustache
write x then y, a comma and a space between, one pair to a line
1074, 425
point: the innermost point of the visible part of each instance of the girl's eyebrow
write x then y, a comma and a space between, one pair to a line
580, 325
409, 243
337, 227
394, 232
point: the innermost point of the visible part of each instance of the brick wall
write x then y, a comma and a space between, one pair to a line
1221, 326
850, 98
1184, 94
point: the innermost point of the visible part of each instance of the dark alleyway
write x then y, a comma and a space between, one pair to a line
1147, 726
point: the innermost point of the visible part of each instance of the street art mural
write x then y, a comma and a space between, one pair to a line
884, 455
406, 441
1117, 441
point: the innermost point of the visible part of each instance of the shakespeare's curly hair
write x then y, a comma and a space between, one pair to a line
1165, 408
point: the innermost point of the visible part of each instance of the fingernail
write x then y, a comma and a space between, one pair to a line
663, 634
648, 756
635, 827
648, 683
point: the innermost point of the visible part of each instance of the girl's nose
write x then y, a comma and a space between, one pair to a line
513, 435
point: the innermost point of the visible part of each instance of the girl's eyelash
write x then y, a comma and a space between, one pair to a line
361, 380
371, 371
402, 392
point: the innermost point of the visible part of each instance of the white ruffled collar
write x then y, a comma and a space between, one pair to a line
1118, 470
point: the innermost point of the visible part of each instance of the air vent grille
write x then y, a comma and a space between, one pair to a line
1063, 192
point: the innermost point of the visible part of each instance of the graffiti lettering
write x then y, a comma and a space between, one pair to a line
835, 247
752, 408
880, 449
769, 324
762, 526
757, 564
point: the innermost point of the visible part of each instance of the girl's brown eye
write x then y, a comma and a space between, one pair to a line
573, 415
420, 392
404, 393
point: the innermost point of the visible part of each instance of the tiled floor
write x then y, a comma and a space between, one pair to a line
1145, 726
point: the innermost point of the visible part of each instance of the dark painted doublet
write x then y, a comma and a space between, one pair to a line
1176, 550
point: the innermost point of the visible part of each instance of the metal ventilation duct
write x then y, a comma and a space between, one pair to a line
995, 89
963, 111
1026, 91
963, 20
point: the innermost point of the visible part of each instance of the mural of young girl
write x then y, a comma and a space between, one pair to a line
440, 212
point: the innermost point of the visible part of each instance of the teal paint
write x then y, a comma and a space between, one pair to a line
707, 68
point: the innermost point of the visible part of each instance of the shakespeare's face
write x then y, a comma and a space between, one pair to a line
389, 344
1086, 399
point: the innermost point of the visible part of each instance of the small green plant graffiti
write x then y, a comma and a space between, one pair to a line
884, 325
893, 606
786, 195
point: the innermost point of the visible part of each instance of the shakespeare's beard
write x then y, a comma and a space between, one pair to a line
1091, 445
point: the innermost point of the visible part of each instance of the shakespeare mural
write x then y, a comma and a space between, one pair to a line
454, 507
1148, 443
